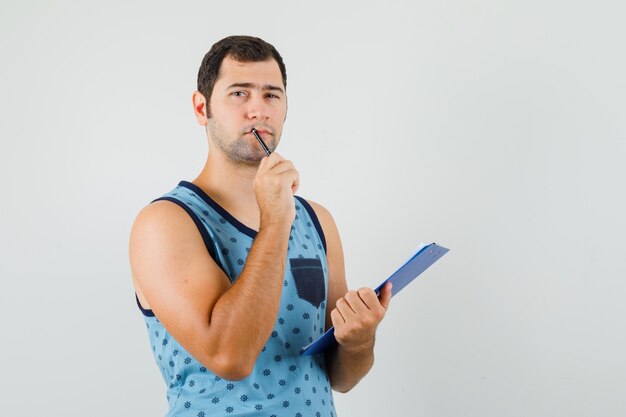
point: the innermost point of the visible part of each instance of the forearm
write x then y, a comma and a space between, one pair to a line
244, 316
346, 368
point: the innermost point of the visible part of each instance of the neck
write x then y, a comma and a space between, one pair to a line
229, 184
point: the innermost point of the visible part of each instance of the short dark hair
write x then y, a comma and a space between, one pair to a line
241, 49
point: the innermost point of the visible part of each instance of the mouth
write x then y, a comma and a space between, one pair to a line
259, 131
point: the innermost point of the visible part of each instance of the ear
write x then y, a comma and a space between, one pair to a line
199, 107
286, 108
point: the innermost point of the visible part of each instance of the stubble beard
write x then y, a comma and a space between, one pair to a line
242, 150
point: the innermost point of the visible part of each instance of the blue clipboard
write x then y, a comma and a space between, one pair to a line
422, 258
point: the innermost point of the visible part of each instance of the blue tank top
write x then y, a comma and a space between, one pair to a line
283, 382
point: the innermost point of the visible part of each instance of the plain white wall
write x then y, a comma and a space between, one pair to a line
495, 128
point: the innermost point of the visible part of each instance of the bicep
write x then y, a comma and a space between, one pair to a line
176, 274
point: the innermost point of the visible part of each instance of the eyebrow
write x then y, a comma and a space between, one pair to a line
266, 87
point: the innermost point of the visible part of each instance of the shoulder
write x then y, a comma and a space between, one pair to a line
160, 216
163, 227
327, 224
322, 213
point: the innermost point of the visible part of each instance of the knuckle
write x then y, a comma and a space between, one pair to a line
366, 292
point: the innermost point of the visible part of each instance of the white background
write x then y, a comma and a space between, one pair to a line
495, 128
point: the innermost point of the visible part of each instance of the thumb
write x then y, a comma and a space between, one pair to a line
385, 295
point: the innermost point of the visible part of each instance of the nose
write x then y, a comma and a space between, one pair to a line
257, 108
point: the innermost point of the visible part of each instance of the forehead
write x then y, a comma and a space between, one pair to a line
262, 73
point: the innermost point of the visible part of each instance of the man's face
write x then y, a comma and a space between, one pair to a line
247, 95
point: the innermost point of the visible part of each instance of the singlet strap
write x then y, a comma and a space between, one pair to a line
146, 312
208, 242
313, 217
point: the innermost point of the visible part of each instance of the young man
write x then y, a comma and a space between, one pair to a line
234, 273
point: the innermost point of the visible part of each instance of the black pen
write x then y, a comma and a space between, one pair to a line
263, 145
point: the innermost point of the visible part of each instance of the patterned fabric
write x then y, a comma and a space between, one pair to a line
283, 383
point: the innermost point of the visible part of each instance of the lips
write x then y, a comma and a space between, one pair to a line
260, 131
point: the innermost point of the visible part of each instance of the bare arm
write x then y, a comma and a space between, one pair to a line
355, 315
223, 326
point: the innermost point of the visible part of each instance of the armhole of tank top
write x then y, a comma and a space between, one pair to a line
206, 238
146, 312
313, 217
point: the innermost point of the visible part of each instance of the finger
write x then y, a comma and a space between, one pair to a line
282, 166
369, 297
296, 183
269, 162
385, 295
336, 317
356, 302
345, 309
291, 177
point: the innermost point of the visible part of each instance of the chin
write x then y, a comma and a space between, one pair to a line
248, 160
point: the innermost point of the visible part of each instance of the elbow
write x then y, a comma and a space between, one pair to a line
341, 388
230, 367
228, 359
234, 372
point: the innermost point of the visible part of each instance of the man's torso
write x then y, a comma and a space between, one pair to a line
283, 382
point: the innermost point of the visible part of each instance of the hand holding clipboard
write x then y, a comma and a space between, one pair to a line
421, 259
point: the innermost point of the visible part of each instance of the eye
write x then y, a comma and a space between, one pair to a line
238, 94
270, 95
